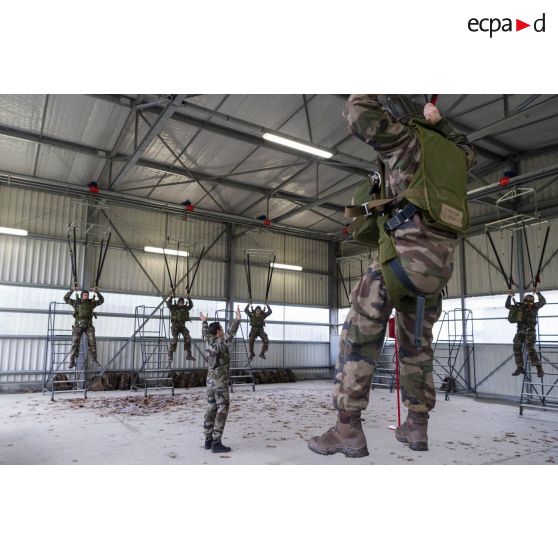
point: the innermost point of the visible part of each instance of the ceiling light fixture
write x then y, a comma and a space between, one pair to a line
286, 266
15, 232
297, 145
166, 251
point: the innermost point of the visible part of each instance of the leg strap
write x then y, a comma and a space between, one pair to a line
401, 274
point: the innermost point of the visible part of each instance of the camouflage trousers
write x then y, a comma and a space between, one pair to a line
217, 406
254, 334
176, 330
77, 332
528, 339
361, 342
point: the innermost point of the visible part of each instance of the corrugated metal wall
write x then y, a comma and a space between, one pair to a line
35, 262
42, 259
308, 287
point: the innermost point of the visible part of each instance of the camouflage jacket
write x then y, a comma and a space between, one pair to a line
178, 313
528, 312
425, 254
257, 322
83, 309
217, 349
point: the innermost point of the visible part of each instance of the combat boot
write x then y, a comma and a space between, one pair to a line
414, 431
346, 437
189, 356
72, 362
218, 447
518, 371
262, 355
170, 358
540, 371
208, 443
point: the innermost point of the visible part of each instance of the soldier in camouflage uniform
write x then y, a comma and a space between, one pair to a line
83, 314
426, 255
257, 322
526, 331
180, 314
217, 353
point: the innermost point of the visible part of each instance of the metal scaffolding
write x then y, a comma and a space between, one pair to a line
454, 352
58, 378
151, 335
541, 393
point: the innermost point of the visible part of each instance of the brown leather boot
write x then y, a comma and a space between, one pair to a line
540, 371
345, 437
414, 431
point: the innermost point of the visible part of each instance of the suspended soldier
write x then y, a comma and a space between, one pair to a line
257, 323
180, 314
414, 214
524, 314
217, 354
83, 313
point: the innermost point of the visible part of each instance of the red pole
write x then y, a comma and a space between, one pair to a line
397, 385
392, 334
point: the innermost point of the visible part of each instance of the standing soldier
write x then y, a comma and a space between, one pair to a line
257, 322
524, 314
180, 314
83, 314
429, 159
217, 353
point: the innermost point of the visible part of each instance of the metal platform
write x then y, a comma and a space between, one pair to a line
151, 335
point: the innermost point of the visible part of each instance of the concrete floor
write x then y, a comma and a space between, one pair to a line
270, 426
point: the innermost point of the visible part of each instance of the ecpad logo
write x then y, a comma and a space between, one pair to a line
494, 25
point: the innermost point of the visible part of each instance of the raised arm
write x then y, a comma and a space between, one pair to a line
205, 331
269, 311
372, 124
247, 310
459, 139
68, 298
168, 302
190, 304
509, 301
233, 327
100, 297
541, 302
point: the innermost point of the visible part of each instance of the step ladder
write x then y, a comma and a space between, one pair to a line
240, 368
151, 335
385, 371
454, 352
541, 393
57, 356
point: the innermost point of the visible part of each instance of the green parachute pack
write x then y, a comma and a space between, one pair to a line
438, 189
515, 315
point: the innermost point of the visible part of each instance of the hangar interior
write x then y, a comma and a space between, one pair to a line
202, 175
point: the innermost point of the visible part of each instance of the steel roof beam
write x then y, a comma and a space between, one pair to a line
66, 189
157, 127
511, 122
350, 167
154, 165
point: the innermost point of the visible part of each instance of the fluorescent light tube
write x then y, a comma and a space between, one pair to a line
286, 266
166, 251
297, 145
16, 232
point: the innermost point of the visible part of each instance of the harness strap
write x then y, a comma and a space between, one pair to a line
400, 217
